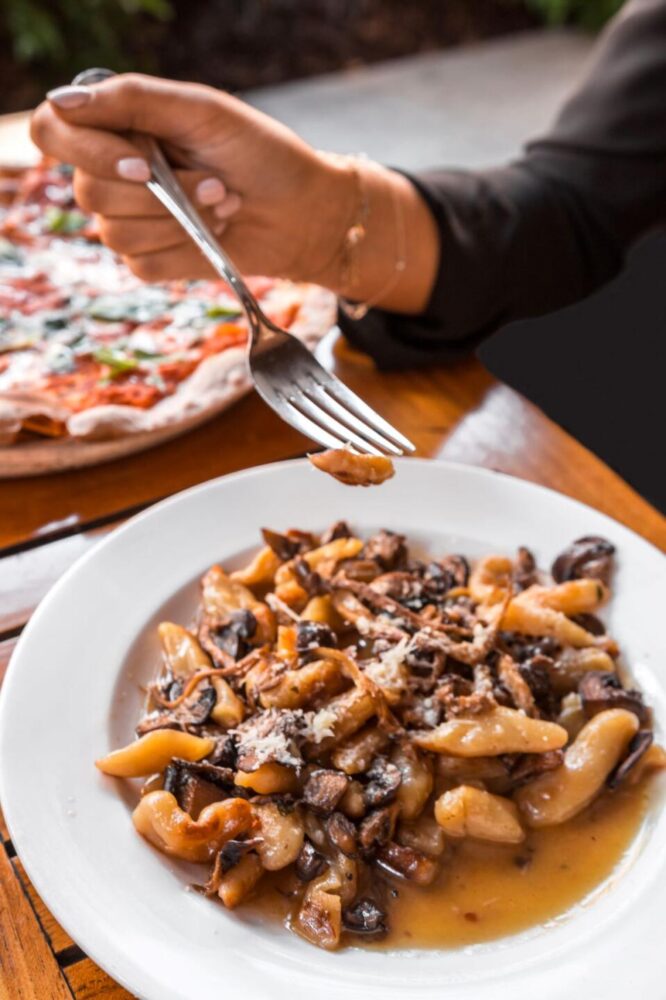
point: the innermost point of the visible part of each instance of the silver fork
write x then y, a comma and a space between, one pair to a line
285, 373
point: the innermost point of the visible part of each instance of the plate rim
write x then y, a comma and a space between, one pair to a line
59, 907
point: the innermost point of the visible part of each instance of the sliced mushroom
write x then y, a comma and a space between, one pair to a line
310, 863
288, 545
536, 672
639, 745
444, 574
323, 790
529, 765
365, 917
589, 556
310, 635
590, 623
226, 859
192, 789
311, 582
376, 829
407, 863
525, 572
231, 637
342, 833
600, 690
339, 529
384, 783
387, 548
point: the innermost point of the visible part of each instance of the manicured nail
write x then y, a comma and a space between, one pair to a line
210, 191
227, 207
69, 97
133, 168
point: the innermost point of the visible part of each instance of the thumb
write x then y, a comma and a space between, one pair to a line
171, 111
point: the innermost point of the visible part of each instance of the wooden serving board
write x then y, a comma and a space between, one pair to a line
39, 456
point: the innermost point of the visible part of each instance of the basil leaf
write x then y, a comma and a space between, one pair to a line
61, 220
118, 363
215, 311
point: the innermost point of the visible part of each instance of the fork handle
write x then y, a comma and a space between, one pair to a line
167, 189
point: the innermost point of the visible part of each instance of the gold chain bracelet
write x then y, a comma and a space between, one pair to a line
353, 240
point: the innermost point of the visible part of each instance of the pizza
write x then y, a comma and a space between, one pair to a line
88, 352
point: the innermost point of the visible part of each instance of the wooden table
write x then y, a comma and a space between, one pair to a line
459, 413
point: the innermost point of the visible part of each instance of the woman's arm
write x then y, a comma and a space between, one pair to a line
547, 230
279, 206
480, 248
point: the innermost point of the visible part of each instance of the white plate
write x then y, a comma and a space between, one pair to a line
71, 694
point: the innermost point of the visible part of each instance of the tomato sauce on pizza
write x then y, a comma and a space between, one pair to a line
79, 332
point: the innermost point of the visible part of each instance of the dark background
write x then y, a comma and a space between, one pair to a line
596, 368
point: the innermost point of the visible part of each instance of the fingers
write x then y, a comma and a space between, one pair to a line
172, 263
121, 199
95, 152
131, 101
135, 237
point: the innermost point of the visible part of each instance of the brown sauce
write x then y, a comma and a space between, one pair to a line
488, 891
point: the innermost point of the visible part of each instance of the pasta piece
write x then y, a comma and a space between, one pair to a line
536, 619
281, 835
268, 779
572, 665
319, 918
229, 710
323, 559
558, 795
470, 812
221, 594
290, 592
352, 469
476, 771
504, 730
159, 819
286, 643
320, 609
491, 579
355, 754
349, 711
153, 752
236, 884
296, 688
572, 716
416, 780
574, 597
182, 653
260, 571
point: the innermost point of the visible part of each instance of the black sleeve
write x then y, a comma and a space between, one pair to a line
540, 233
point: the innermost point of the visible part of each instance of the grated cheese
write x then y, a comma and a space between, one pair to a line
389, 670
319, 725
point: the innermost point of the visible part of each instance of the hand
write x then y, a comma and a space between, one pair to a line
283, 206
279, 207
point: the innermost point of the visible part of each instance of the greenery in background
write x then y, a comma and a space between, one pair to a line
591, 14
263, 42
45, 31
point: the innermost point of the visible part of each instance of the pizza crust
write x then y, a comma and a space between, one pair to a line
104, 432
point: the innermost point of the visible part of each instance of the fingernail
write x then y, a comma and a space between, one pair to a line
69, 97
133, 168
210, 191
227, 207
